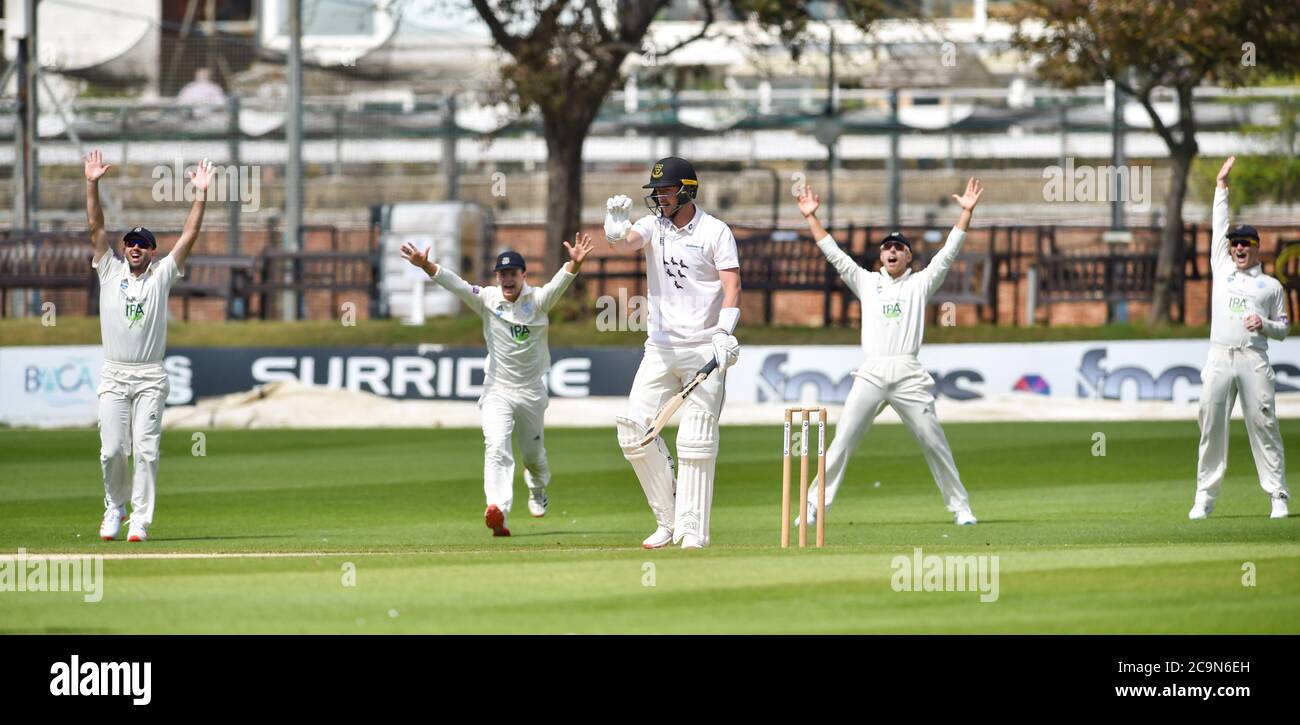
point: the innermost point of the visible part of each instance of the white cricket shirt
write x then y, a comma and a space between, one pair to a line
133, 310
1237, 293
893, 310
515, 332
682, 265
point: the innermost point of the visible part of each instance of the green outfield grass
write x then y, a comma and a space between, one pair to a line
467, 331
1085, 543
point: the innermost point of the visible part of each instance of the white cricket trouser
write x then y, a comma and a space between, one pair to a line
513, 413
1229, 372
662, 374
904, 384
131, 400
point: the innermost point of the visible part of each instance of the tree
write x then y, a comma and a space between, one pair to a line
1145, 45
565, 58
1273, 175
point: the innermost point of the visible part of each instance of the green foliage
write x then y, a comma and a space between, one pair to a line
1255, 179
1142, 45
1273, 177
1169, 43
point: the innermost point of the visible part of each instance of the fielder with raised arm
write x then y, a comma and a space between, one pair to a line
513, 404
1248, 308
133, 386
693, 280
893, 323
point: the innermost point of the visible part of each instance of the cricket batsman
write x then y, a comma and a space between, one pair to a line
133, 386
1248, 308
893, 323
693, 281
513, 404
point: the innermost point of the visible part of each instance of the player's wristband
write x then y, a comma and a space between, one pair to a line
727, 319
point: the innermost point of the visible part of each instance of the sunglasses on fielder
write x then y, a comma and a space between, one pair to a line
892, 245
137, 243
1243, 242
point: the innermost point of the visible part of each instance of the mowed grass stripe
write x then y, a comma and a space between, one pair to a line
1086, 543
756, 594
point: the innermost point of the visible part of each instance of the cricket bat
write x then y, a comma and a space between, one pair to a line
666, 413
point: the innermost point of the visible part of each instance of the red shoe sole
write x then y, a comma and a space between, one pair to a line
495, 519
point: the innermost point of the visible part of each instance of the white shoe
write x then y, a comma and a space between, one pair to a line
537, 502
112, 525
812, 515
136, 533
691, 541
1201, 509
662, 537
1279, 508
965, 518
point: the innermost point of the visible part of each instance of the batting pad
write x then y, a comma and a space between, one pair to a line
653, 467
697, 451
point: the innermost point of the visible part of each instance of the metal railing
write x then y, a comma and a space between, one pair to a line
42, 262
994, 268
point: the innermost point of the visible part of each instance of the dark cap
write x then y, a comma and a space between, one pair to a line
510, 260
1244, 231
140, 233
672, 171
896, 237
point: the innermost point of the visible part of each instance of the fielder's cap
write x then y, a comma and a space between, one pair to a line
140, 233
510, 260
896, 237
672, 171
1244, 231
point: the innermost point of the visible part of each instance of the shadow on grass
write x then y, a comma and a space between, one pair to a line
566, 534
220, 538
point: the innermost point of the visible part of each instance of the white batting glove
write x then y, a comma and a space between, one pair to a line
726, 349
616, 222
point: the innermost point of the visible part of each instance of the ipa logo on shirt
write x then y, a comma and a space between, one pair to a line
892, 311
134, 312
520, 332
1237, 305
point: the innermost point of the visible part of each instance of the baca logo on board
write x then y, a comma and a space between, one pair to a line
57, 381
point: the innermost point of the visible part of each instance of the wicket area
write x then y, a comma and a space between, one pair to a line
805, 414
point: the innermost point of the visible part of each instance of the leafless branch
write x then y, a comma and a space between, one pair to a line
500, 35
